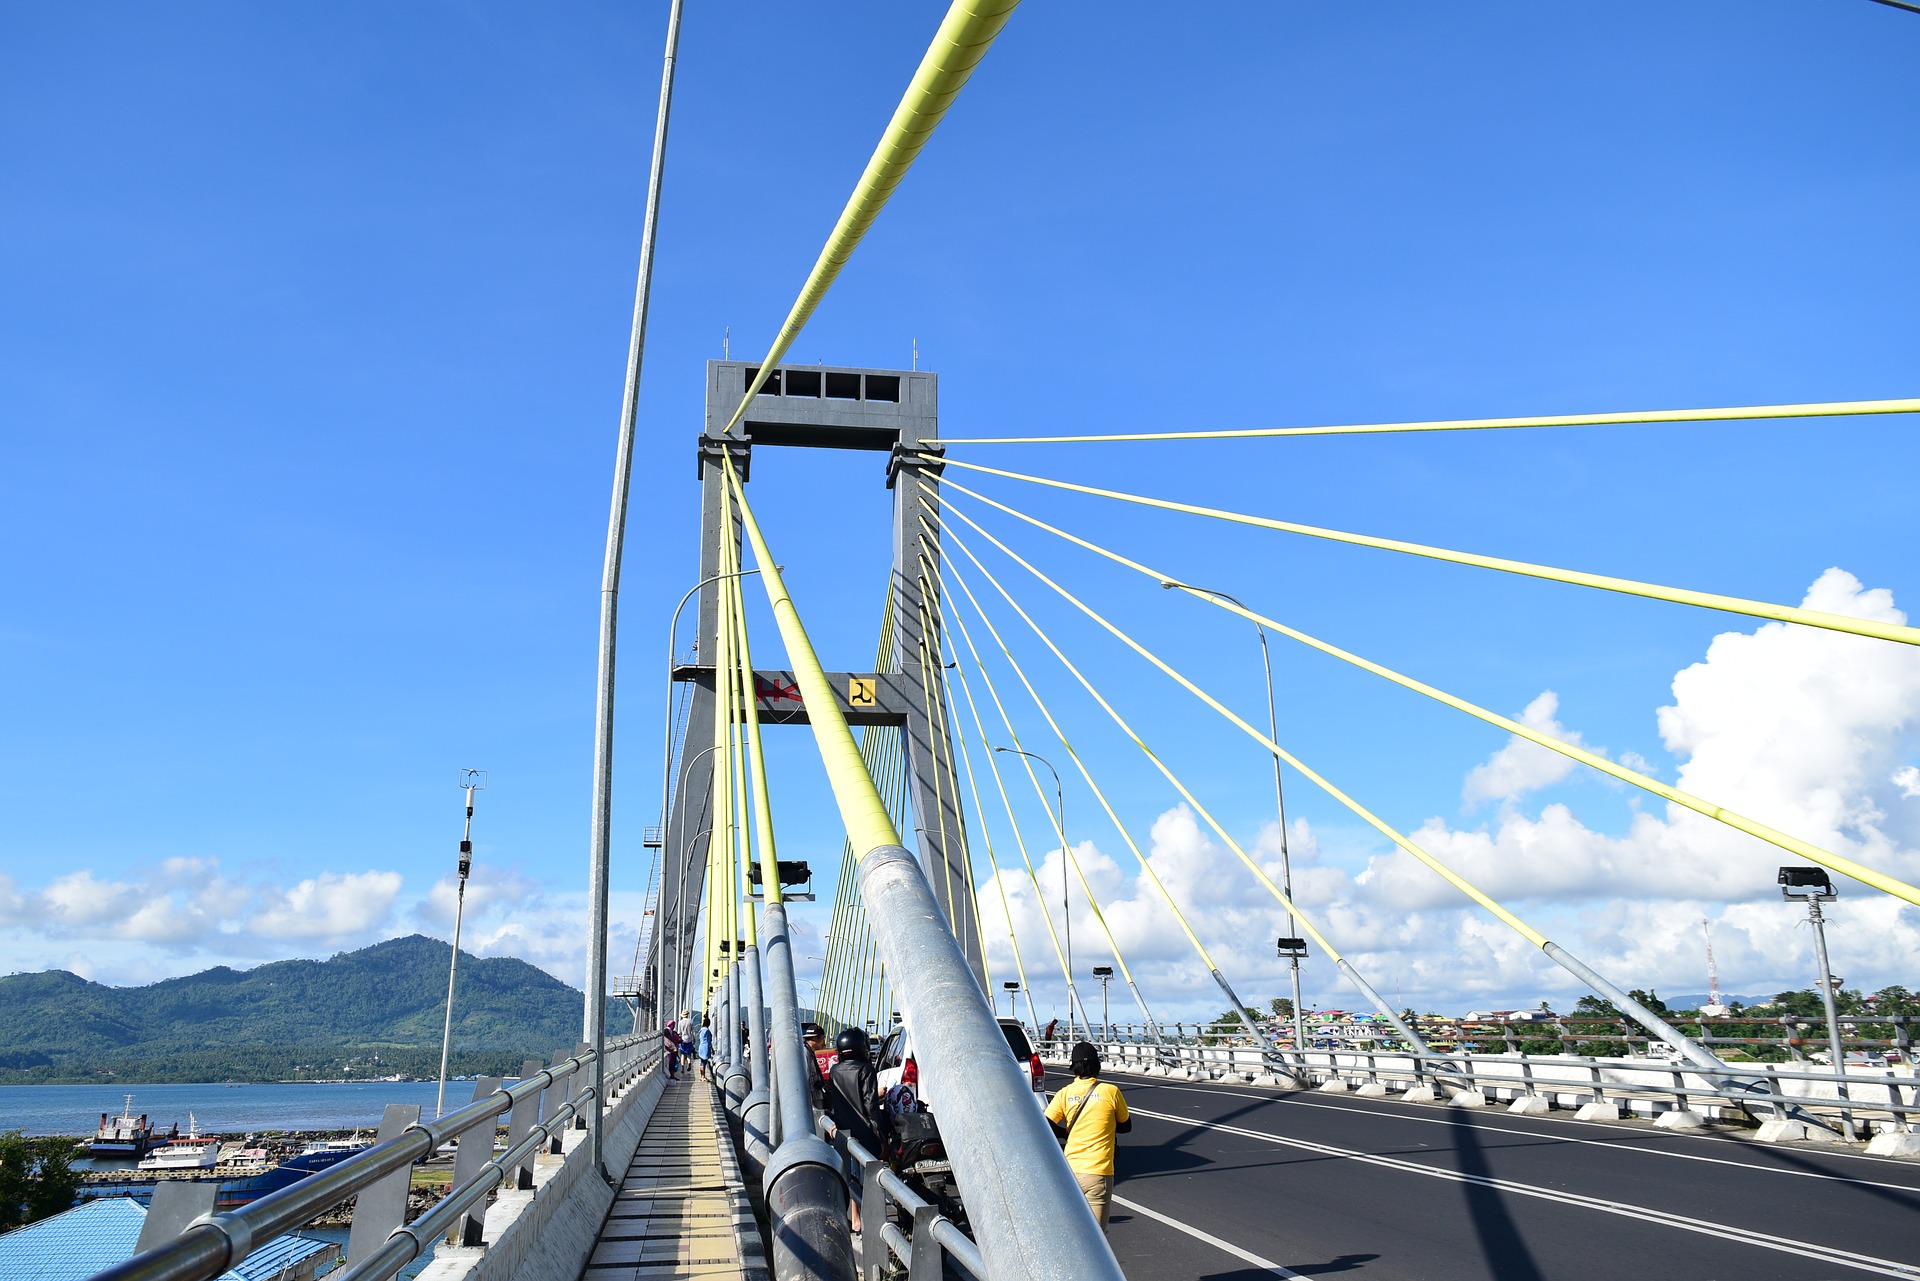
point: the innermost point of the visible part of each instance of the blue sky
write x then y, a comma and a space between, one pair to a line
312, 323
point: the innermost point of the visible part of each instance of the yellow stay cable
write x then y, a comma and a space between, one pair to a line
1745, 413
769, 857
1099, 793
1000, 782
986, 837
867, 823
939, 784
1066, 850
964, 37
1739, 822
1368, 816
1603, 582
942, 734
1333, 953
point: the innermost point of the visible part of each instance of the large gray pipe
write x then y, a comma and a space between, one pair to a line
805, 1189
755, 1112
1027, 1211
737, 1085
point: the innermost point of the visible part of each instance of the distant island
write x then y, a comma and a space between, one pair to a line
358, 1016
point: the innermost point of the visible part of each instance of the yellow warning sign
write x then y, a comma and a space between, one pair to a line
860, 692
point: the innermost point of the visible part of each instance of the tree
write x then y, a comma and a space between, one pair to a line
37, 1178
1282, 1007
1594, 1008
1805, 1004
1652, 1001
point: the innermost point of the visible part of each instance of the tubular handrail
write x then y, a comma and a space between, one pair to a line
1766, 1079
215, 1243
946, 1236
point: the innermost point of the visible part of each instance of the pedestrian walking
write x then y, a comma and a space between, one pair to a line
685, 1027
1086, 1116
823, 1059
670, 1043
853, 1098
705, 1050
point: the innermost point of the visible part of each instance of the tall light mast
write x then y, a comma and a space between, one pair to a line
473, 780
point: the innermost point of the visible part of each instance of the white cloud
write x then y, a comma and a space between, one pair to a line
1800, 728
333, 905
1524, 766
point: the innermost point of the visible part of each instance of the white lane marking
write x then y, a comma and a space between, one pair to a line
1245, 1256
1806, 1249
1560, 1138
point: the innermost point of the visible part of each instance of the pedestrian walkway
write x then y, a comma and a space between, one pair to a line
680, 1211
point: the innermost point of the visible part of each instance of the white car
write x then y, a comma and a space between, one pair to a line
894, 1063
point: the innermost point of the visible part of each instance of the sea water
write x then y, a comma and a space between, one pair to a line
226, 1110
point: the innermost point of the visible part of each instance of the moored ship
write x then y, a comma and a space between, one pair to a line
248, 1176
191, 1151
124, 1136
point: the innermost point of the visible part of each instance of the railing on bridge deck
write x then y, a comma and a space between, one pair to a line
543, 1106
933, 1238
1881, 1099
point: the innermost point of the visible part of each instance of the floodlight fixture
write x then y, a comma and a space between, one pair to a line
1803, 883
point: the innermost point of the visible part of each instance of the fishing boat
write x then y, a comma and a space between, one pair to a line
122, 1136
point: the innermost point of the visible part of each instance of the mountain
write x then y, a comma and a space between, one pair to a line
373, 1012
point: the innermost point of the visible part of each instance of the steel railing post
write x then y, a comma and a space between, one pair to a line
383, 1204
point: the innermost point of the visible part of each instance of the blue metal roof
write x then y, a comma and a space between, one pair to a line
95, 1235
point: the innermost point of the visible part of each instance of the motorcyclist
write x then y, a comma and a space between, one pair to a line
853, 1097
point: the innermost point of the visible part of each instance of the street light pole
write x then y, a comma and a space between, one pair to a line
473, 780
1279, 801
600, 837
1815, 886
666, 767
1066, 904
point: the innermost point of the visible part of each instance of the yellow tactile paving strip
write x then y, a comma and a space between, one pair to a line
675, 1213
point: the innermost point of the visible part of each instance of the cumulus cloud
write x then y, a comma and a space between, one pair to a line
1524, 766
331, 905
1802, 729
185, 908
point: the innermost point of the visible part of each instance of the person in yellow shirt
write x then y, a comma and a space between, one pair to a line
1086, 1116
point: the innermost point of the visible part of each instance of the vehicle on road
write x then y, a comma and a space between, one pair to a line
919, 1154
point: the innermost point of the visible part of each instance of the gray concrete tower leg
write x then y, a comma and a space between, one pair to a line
940, 831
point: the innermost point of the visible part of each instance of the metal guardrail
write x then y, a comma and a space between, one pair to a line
934, 1238
214, 1243
1540, 1075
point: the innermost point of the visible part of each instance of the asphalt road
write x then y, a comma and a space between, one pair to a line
1236, 1182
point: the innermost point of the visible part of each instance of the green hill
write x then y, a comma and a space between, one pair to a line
374, 1012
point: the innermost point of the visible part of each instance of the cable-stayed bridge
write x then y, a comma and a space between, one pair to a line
1258, 1150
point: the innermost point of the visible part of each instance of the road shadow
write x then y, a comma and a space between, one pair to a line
1344, 1263
1506, 1253
1341, 1263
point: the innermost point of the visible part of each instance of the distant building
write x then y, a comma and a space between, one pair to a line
95, 1235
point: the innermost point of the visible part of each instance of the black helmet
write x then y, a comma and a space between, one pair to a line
810, 1030
1085, 1060
853, 1042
